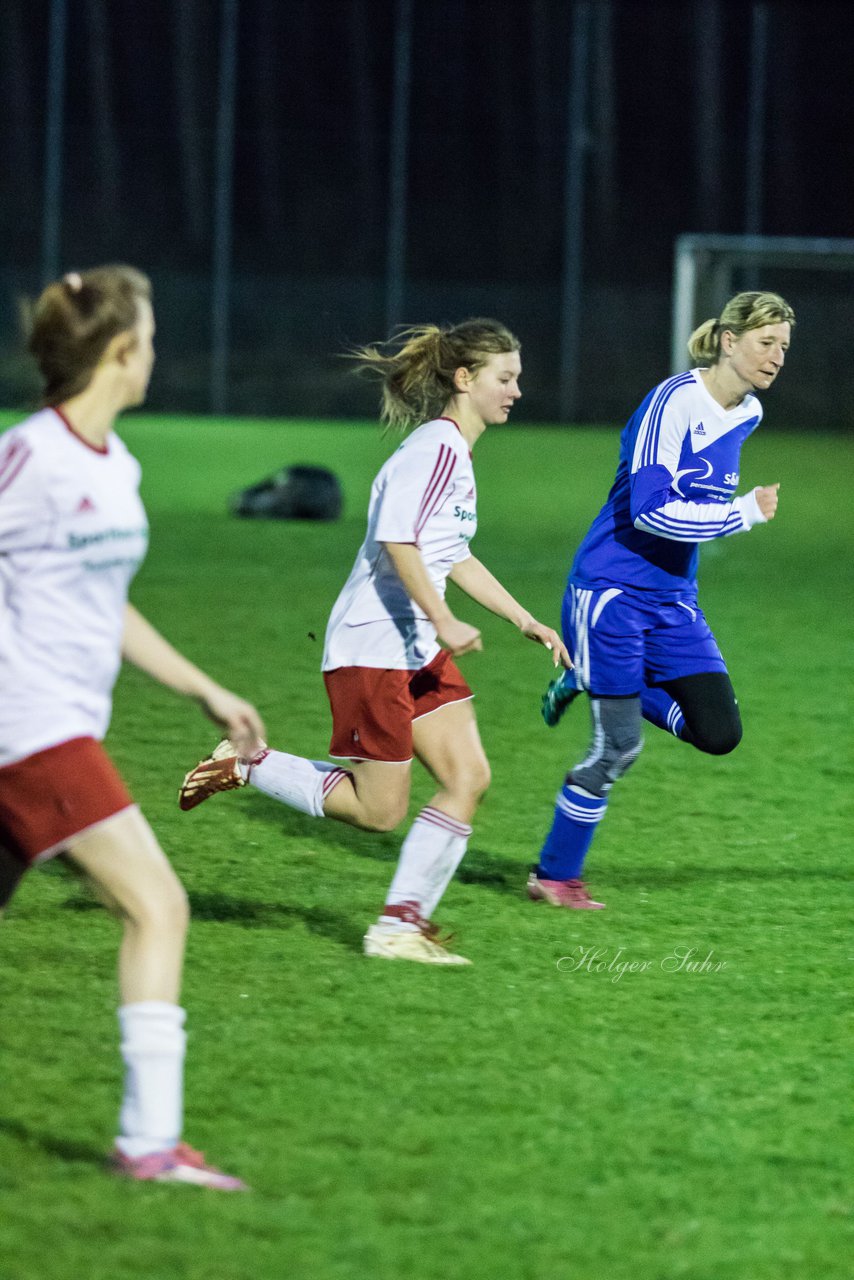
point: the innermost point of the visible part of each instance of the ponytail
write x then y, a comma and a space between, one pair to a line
417, 367
72, 322
745, 311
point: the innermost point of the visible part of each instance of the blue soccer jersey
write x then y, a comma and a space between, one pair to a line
674, 488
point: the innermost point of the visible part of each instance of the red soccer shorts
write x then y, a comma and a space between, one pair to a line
56, 794
373, 708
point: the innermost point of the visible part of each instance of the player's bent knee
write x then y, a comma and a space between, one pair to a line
385, 822
616, 745
719, 741
164, 908
628, 758
385, 819
178, 909
467, 781
717, 733
599, 776
477, 779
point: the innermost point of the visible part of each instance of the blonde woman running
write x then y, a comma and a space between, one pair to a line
642, 646
394, 687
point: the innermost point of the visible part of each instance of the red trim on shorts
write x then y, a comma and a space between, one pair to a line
47, 854
450, 701
52, 796
367, 759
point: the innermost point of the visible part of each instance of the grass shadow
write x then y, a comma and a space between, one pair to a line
479, 867
379, 845
249, 913
64, 1148
503, 875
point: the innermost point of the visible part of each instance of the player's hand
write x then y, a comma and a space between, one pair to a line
766, 500
550, 640
459, 637
240, 720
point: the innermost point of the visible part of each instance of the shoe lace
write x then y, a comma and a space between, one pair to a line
433, 934
409, 913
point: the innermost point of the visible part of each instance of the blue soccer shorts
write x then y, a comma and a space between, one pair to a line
621, 643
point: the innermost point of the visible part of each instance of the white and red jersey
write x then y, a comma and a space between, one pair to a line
424, 494
73, 532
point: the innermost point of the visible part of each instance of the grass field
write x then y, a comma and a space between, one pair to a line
542, 1115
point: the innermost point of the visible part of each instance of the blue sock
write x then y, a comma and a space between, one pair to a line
577, 814
659, 708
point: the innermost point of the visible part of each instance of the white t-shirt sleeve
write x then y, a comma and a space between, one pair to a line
414, 486
24, 506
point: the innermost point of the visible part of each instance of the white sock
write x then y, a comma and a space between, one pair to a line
153, 1043
431, 853
302, 784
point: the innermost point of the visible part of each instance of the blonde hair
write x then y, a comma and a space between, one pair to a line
743, 312
73, 321
417, 368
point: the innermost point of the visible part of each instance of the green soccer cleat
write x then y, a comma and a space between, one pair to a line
560, 693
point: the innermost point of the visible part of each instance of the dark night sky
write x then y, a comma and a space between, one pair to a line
667, 129
488, 128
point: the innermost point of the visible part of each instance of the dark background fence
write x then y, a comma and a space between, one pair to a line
297, 175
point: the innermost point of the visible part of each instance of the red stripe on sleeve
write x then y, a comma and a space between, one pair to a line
17, 455
434, 496
433, 481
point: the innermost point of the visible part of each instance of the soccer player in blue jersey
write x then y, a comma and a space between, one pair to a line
641, 645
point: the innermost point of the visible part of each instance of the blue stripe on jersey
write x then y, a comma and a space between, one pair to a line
650, 444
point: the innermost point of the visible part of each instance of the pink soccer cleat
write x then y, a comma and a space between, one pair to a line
562, 893
179, 1164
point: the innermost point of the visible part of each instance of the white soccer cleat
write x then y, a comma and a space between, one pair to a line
389, 943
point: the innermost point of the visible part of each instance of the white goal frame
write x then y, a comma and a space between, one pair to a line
709, 261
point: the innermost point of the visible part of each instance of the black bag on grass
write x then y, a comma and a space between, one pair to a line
294, 493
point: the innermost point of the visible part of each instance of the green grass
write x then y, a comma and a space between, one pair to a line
524, 1119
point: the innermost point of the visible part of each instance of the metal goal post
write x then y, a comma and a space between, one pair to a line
704, 266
